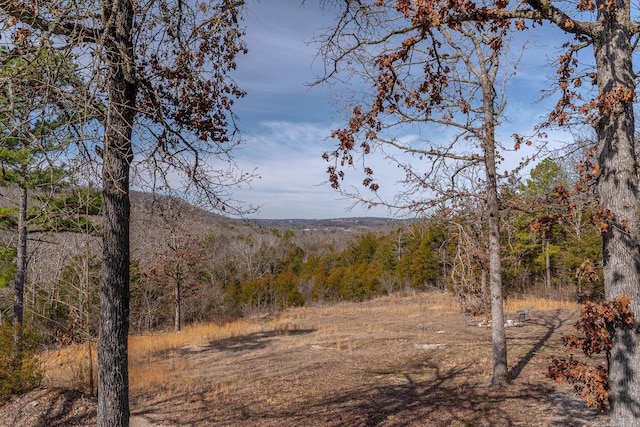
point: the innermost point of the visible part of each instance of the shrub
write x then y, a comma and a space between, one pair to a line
20, 369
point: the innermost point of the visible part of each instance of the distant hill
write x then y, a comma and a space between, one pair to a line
145, 208
145, 201
357, 223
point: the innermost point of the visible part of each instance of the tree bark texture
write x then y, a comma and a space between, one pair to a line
500, 375
21, 261
113, 382
618, 192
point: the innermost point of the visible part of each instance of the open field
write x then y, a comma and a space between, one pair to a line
393, 361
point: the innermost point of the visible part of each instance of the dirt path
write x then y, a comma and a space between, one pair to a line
409, 361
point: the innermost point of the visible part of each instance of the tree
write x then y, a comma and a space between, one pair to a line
550, 239
38, 128
164, 65
34, 134
457, 86
470, 264
421, 259
541, 189
177, 257
607, 28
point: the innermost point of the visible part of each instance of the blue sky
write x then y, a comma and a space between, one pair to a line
286, 124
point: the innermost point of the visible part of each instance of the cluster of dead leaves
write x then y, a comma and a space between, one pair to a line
597, 323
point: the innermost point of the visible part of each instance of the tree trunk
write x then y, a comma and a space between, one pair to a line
113, 381
498, 338
21, 261
500, 375
547, 266
20, 280
617, 188
177, 301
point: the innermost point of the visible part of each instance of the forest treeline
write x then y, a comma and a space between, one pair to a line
191, 267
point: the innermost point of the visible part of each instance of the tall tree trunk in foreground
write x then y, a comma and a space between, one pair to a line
113, 381
618, 188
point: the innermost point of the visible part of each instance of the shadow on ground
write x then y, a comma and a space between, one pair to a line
418, 395
447, 398
241, 343
52, 408
552, 322
248, 342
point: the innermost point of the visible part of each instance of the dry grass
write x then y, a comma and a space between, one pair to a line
143, 346
397, 360
75, 366
513, 305
71, 367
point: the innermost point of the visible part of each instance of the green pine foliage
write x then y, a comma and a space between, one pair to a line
7, 265
70, 209
20, 369
232, 273
552, 223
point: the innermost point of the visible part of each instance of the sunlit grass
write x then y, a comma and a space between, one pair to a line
156, 365
142, 346
152, 365
73, 366
512, 305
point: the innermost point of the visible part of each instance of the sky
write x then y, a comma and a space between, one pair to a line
286, 124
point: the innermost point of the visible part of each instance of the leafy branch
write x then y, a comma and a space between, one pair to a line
598, 322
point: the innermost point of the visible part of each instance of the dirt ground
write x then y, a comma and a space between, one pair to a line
393, 361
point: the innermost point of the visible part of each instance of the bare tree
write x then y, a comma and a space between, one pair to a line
177, 255
447, 77
160, 64
608, 29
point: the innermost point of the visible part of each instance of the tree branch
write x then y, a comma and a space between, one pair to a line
73, 29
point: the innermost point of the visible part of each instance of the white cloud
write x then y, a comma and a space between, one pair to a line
286, 124
288, 156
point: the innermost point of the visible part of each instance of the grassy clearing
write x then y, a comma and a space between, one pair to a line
408, 360
75, 366
155, 365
